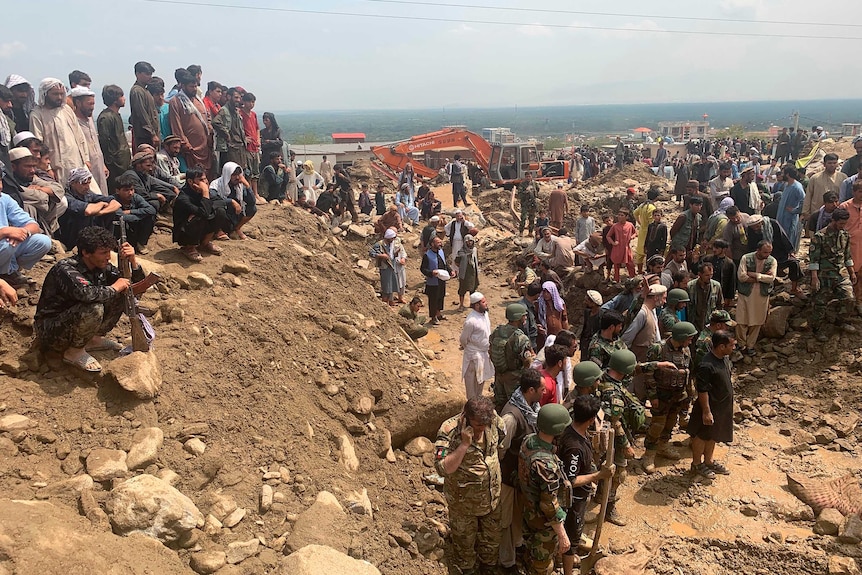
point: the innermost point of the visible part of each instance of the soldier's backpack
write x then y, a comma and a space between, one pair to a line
634, 415
502, 351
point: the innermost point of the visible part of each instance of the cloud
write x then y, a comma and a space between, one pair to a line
9, 49
162, 49
535, 30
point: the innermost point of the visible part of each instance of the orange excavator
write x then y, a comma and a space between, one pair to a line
505, 164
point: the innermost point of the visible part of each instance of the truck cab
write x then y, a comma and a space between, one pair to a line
510, 162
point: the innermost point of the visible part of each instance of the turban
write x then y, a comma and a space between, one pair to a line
80, 175
46, 85
389, 234
80, 91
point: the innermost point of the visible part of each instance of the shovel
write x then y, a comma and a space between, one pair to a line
589, 562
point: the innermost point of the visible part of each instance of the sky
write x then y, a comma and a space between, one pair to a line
546, 56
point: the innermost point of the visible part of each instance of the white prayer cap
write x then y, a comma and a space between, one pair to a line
389, 234
79, 91
459, 211
435, 218
16, 154
595, 296
21, 136
476, 297
469, 238
657, 289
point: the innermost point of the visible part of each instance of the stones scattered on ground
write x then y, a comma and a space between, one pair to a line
829, 522
266, 498
301, 251
138, 372
825, 435
206, 562
233, 519
145, 447
359, 503
347, 454
15, 422
235, 267
346, 331
749, 510
239, 551
195, 446
315, 525
71, 486
419, 446
106, 464
198, 280
851, 531
323, 560
146, 504
843, 566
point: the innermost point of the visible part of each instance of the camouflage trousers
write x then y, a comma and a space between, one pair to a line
77, 325
541, 544
832, 286
475, 537
528, 218
504, 386
664, 419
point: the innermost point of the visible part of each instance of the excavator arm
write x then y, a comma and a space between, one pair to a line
397, 155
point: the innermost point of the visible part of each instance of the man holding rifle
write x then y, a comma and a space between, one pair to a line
83, 298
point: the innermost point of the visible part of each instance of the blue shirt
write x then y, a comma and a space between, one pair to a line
11, 214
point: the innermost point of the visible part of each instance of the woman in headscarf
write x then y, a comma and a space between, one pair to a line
271, 139
234, 193
552, 311
467, 260
718, 220
310, 182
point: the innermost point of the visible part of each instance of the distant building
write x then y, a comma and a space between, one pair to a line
348, 138
498, 135
851, 129
684, 130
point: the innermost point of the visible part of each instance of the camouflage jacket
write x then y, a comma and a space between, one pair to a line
666, 321
475, 485
670, 384
830, 251
542, 481
600, 349
702, 346
612, 392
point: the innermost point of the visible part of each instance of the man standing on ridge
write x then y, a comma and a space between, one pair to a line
144, 114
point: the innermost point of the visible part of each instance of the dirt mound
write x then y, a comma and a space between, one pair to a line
639, 172
271, 372
719, 557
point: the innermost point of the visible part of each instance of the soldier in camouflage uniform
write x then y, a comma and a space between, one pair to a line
466, 456
625, 413
607, 339
510, 352
83, 298
676, 300
828, 253
546, 490
720, 320
668, 393
528, 195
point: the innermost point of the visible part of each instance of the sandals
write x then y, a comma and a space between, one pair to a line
85, 362
210, 248
222, 237
105, 344
191, 253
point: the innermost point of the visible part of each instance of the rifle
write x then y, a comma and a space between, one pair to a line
139, 337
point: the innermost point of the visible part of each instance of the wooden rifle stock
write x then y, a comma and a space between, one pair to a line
139, 337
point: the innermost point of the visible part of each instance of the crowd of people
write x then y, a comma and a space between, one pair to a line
695, 298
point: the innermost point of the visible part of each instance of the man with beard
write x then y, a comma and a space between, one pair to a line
476, 364
55, 124
83, 104
168, 160
23, 102
745, 194
829, 180
191, 123
159, 194
43, 201
112, 134
197, 217
7, 124
21, 245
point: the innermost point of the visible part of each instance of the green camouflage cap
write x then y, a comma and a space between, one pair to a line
721, 316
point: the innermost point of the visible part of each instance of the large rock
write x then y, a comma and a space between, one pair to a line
38, 538
198, 280
15, 422
322, 560
419, 446
829, 522
138, 372
235, 267
106, 464
776, 322
239, 551
347, 454
206, 562
145, 448
315, 525
148, 505
843, 566
423, 416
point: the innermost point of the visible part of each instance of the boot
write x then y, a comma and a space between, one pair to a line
613, 516
648, 461
668, 453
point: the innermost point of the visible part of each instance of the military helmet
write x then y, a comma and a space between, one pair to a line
682, 331
677, 295
553, 419
623, 361
586, 373
515, 311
